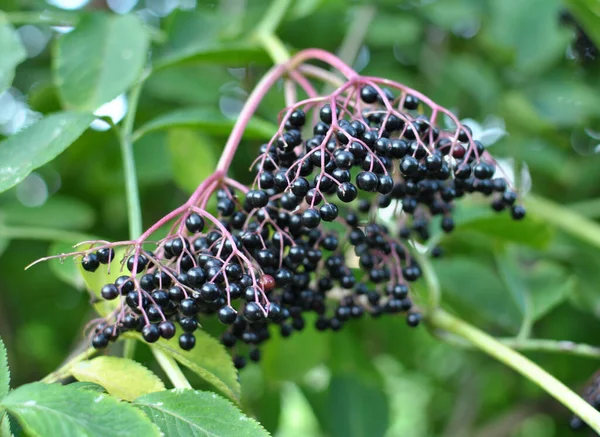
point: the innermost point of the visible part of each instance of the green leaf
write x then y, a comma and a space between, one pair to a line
38, 144
476, 287
531, 231
550, 284
196, 36
56, 410
4, 242
99, 60
355, 409
123, 378
193, 157
13, 52
91, 386
233, 53
563, 101
277, 352
4, 371
209, 360
186, 412
209, 120
538, 43
59, 212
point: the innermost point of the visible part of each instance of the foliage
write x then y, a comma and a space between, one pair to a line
505, 63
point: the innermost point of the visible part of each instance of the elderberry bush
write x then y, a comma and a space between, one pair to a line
291, 243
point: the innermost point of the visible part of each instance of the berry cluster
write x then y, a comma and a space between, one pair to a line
307, 236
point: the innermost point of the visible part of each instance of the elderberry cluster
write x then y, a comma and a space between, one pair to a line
306, 238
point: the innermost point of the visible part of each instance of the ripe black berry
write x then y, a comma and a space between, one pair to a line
151, 333
90, 262
311, 218
367, 181
194, 223
368, 94
100, 341
109, 291
227, 315
167, 329
187, 341
105, 255
253, 312
328, 212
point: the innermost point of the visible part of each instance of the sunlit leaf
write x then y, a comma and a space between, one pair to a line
38, 144
208, 359
197, 414
56, 410
99, 60
121, 377
4, 371
13, 52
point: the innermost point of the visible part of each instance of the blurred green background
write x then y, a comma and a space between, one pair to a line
515, 66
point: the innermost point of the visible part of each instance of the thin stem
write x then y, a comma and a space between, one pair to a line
273, 17
129, 346
431, 279
65, 369
533, 345
442, 320
134, 209
274, 47
45, 234
170, 367
565, 219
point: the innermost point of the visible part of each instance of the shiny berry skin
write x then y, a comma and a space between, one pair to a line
167, 329
275, 313
90, 262
367, 181
368, 94
109, 291
105, 255
347, 192
151, 333
267, 282
209, 292
409, 166
188, 324
194, 223
227, 315
297, 118
100, 341
142, 262
311, 218
328, 212
196, 277
253, 312
411, 102
188, 307
187, 341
